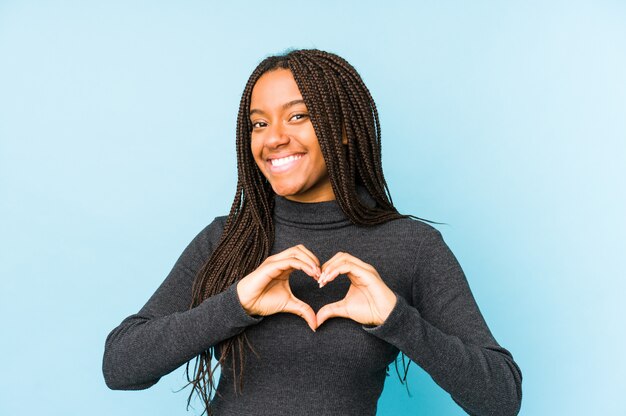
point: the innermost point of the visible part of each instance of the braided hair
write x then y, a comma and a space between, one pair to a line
340, 107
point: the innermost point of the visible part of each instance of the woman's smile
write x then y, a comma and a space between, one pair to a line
280, 164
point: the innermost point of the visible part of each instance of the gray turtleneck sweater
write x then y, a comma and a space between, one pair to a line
339, 369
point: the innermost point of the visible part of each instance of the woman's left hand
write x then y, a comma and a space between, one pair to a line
369, 300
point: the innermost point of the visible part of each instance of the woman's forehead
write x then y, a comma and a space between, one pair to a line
275, 90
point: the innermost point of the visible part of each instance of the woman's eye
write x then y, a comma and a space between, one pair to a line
297, 117
258, 124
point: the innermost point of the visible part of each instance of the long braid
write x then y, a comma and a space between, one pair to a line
339, 105
362, 130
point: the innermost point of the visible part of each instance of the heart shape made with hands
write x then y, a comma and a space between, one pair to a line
266, 290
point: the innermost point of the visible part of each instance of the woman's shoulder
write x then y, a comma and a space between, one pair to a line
217, 225
408, 235
414, 228
208, 238
215, 228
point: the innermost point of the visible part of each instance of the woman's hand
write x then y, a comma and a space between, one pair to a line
369, 300
266, 290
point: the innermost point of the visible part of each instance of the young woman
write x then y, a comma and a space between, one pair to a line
314, 283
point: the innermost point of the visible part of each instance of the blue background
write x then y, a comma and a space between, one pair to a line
506, 120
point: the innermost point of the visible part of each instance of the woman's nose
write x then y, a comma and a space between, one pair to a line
277, 135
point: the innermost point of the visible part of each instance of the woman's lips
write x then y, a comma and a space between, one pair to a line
283, 164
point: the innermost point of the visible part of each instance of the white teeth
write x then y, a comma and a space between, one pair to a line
284, 160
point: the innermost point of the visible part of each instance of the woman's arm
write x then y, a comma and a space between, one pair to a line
445, 333
165, 333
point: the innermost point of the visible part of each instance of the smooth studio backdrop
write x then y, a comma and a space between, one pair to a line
503, 119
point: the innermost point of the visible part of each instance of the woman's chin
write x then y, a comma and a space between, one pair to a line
286, 191
303, 192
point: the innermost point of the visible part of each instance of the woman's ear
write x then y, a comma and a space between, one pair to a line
344, 136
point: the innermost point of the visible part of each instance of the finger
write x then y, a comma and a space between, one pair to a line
338, 258
339, 255
345, 267
309, 253
297, 307
342, 256
302, 253
279, 267
315, 261
298, 250
332, 310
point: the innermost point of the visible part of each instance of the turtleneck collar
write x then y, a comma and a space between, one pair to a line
315, 215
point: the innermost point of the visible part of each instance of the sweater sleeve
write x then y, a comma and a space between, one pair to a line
445, 333
165, 333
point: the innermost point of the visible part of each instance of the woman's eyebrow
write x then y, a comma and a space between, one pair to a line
284, 106
292, 103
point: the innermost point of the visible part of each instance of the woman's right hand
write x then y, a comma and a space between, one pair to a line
266, 290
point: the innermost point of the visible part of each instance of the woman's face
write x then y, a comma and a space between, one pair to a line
283, 142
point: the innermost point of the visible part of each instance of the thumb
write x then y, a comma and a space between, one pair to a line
297, 307
332, 310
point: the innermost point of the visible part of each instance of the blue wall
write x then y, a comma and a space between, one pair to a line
505, 120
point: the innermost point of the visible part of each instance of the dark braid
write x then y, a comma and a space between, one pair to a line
340, 105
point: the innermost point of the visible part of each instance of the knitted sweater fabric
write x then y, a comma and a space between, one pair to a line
340, 368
